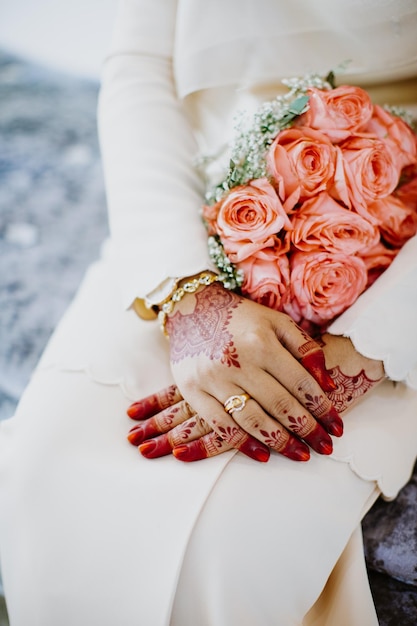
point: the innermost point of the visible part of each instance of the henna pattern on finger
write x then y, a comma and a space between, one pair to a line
233, 435
276, 439
325, 413
317, 405
348, 388
204, 331
299, 425
156, 402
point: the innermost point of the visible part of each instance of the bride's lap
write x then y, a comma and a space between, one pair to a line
93, 533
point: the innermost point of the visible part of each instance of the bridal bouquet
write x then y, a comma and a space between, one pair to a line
319, 196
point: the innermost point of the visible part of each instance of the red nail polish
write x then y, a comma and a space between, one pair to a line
194, 451
332, 422
255, 450
146, 430
135, 436
145, 408
324, 447
155, 447
334, 427
296, 450
316, 366
319, 440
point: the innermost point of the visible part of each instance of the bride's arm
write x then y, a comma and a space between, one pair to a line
382, 322
148, 148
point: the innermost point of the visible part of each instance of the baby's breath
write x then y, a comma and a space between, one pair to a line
402, 113
231, 277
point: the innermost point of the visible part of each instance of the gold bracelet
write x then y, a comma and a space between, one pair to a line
190, 286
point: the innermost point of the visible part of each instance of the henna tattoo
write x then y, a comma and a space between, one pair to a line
317, 405
299, 425
204, 331
213, 444
275, 439
232, 434
156, 402
164, 420
153, 448
309, 346
348, 388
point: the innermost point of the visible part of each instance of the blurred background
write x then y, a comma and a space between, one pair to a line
71, 36
52, 208
52, 204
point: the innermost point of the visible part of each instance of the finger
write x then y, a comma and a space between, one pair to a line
212, 445
160, 423
156, 402
189, 430
289, 416
203, 448
307, 351
298, 382
232, 432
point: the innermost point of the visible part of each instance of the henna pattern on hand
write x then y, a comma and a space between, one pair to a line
348, 388
204, 331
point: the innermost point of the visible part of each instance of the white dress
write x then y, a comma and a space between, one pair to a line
90, 531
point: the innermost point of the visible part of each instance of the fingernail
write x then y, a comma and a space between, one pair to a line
255, 450
136, 436
324, 447
333, 423
146, 430
319, 440
155, 447
193, 451
316, 366
147, 407
296, 450
135, 411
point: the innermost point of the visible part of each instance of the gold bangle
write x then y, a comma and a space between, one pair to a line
190, 286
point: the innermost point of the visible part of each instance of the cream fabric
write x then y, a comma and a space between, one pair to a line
92, 533
248, 43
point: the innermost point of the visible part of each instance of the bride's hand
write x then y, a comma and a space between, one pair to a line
186, 434
223, 345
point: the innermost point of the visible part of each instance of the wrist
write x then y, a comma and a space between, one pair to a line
147, 308
185, 288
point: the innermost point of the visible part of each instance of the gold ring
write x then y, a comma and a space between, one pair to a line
236, 403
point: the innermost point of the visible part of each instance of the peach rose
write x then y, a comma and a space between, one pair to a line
302, 163
323, 285
249, 218
398, 135
407, 193
321, 223
209, 213
267, 277
366, 172
377, 259
397, 223
339, 112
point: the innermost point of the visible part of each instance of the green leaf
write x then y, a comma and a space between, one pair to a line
331, 79
297, 107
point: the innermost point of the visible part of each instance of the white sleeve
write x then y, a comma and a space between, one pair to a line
382, 324
154, 193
